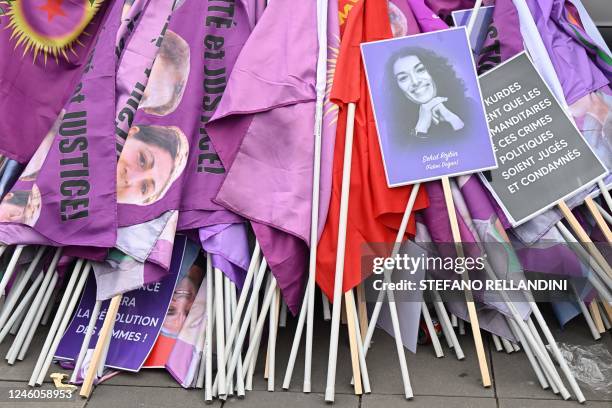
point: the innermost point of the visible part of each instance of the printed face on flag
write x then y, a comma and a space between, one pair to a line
21, 206
182, 301
543, 158
168, 78
428, 107
153, 157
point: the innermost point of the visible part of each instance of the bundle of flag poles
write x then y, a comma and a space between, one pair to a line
178, 178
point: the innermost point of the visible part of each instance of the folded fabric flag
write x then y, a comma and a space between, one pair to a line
374, 211
57, 197
44, 48
263, 132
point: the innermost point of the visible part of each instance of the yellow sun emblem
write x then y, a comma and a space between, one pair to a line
50, 26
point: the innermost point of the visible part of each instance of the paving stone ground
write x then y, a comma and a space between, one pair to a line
437, 382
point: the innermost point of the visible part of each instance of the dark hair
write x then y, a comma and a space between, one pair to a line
405, 113
19, 198
159, 136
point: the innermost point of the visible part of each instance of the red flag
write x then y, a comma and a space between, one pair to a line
375, 211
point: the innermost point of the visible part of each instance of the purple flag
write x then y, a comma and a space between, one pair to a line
503, 39
57, 194
263, 132
571, 59
42, 81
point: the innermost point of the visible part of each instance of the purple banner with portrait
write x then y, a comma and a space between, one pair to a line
67, 191
167, 161
139, 319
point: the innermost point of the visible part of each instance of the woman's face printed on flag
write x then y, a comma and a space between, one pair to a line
152, 159
182, 300
168, 78
21, 206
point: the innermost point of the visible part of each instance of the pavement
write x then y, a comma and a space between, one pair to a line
437, 382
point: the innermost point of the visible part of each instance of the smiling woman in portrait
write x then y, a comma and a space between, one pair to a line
428, 99
153, 157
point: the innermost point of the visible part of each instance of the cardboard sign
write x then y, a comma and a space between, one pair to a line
427, 106
139, 319
542, 156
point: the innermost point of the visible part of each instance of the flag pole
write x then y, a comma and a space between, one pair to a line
243, 328
11, 301
601, 223
392, 308
471, 307
321, 82
209, 329
20, 345
220, 332
105, 333
10, 268
605, 193
583, 237
66, 316
337, 300
532, 337
86, 340
240, 381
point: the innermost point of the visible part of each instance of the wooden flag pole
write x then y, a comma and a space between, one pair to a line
594, 309
105, 333
601, 223
533, 338
603, 212
584, 238
602, 282
471, 307
365, 377
353, 334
